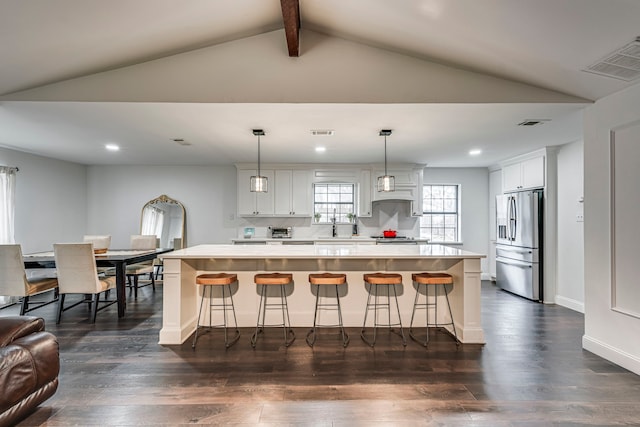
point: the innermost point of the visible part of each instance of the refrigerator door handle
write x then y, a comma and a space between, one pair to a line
514, 218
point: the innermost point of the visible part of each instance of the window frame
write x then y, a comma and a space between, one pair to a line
457, 212
353, 203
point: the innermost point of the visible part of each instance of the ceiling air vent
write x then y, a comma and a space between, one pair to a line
322, 132
533, 122
180, 141
623, 64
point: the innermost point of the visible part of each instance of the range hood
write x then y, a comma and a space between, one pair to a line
395, 196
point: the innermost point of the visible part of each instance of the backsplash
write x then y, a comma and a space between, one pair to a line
388, 214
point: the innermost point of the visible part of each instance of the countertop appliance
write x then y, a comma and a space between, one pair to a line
519, 248
395, 240
280, 232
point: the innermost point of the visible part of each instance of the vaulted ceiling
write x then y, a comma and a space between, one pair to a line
446, 75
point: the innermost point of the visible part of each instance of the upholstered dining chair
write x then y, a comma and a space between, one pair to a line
101, 243
77, 274
141, 242
16, 282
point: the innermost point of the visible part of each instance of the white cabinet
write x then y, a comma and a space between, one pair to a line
523, 175
254, 204
364, 193
292, 192
416, 203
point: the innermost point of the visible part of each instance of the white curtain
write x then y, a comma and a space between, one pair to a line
7, 209
7, 203
153, 221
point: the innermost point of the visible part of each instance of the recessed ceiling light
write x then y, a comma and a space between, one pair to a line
321, 149
112, 147
475, 152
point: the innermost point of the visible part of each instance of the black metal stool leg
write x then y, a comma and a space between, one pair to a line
311, 335
261, 312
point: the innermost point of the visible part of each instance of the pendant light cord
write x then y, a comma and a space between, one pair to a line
259, 157
385, 156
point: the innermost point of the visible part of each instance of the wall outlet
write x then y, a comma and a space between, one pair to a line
579, 217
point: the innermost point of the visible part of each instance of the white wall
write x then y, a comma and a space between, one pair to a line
570, 265
610, 334
50, 200
116, 195
475, 205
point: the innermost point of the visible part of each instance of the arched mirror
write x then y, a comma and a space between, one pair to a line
164, 217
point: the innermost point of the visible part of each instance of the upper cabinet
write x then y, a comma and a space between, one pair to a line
292, 192
254, 204
364, 193
523, 175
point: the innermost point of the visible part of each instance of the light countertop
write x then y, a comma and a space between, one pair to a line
320, 251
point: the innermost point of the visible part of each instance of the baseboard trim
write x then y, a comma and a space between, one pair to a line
570, 304
612, 354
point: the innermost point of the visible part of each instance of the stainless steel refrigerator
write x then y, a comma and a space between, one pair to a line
519, 246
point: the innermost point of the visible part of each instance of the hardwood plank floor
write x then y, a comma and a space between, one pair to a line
531, 372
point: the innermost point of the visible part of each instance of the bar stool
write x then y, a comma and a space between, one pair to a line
327, 279
375, 281
432, 280
267, 280
224, 281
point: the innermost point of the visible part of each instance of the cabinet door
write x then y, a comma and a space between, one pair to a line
533, 173
364, 193
264, 201
416, 203
246, 199
511, 177
301, 193
282, 192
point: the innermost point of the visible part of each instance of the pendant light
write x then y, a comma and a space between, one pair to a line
258, 183
386, 182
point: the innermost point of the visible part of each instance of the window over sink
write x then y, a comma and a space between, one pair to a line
333, 197
440, 221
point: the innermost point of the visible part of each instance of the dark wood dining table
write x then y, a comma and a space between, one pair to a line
118, 258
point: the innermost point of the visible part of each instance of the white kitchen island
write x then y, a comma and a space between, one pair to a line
181, 297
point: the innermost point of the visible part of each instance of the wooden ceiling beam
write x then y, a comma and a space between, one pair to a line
291, 19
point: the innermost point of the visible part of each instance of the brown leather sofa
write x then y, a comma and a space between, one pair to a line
29, 366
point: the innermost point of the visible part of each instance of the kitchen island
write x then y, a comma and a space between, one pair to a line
181, 296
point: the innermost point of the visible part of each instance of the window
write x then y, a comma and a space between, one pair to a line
330, 199
440, 220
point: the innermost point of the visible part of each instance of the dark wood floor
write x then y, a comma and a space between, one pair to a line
531, 372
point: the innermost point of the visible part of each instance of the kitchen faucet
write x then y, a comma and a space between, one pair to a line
334, 227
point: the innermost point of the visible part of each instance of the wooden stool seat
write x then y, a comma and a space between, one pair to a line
386, 281
213, 279
327, 279
383, 278
432, 278
209, 281
273, 278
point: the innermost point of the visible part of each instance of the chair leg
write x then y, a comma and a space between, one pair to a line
153, 281
24, 306
60, 307
95, 299
135, 286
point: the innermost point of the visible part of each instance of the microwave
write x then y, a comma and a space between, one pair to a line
280, 232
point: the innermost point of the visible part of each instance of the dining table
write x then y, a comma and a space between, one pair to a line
116, 258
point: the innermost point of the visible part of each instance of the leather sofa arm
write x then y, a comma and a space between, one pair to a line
14, 327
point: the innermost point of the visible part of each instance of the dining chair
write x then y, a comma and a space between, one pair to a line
77, 274
15, 281
101, 243
140, 242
